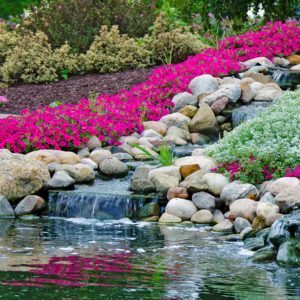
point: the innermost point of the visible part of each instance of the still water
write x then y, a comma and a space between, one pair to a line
88, 259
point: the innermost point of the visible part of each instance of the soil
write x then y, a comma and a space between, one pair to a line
30, 96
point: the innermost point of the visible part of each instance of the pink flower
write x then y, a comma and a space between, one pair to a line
3, 99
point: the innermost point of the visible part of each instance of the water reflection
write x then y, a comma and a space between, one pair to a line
89, 259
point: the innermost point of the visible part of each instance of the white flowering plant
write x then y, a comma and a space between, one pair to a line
264, 147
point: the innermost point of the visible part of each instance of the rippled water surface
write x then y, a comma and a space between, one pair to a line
89, 259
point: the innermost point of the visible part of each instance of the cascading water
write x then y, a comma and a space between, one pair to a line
286, 78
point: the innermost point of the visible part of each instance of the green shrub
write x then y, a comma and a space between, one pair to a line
78, 21
112, 51
272, 138
14, 7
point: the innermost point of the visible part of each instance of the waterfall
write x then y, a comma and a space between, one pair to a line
286, 78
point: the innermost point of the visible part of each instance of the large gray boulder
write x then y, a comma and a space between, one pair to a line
204, 200
21, 176
61, 179
113, 167
29, 205
181, 208
182, 99
203, 84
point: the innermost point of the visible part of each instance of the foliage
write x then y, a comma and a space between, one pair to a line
164, 156
14, 7
112, 51
112, 116
264, 147
77, 21
36, 62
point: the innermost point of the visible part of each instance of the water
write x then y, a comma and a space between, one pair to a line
287, 79
90, 259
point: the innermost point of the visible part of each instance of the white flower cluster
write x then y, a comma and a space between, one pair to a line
274, 133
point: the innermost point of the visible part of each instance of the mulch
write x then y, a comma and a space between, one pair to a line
30, 96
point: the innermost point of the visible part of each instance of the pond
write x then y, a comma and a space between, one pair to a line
56, 258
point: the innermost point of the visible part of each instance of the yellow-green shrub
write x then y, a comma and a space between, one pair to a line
8, 40
112, 51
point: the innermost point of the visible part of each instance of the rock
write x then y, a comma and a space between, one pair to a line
29, 217
49, 156
21, 175
280, 61
29, 205
256, 86
204, 200
246, 233
219, 105
140, 155
282, 184
128, 140
294, 59
144, 142
195, 185
168, 218
178, 132
236, 190
226, 126
267, 94
122, 156
164, 182
232, 92
204, 121
225, 226
248, 93
245, 208
264, 255
261, 61
182, 99
159, 127
288, 199
149, 210
200, 139
198, 152
84, 153
100, 155
221, 119
141, 172
173, 140
189, 111
176, 119
187, 170
272, 218
289, 253
150, 133
6, 211
61, 179
259, 223
177, 192
228, 79
181, 208
216, 183
258, 69
266, 209
203, 216
203, 84
254, 244
85, 172
113, 167
240, 224
267, 198
205, 163
89, 162
258, 77
218, 216
52, 167
296, 68
94, 143
173, 171
150, 219
142, 186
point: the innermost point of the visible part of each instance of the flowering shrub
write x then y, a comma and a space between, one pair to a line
3, 100
265, 147
110, 116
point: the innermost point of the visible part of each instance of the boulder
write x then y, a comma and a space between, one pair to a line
94, 143
240, 224
203, 84
200, 139
261, 61
61, 179
176, 119
6, 211
258, 77
248, 93
173, 171
204, 121
254, 244
289, 253
89, 162
224, 226
266, 209
216, 183
141, 172
179, 132
268, 94
164, 182
281, 61
150, 133
142, 186
236, 190
259, 223
187, 170
140, 155
268, 198
79, 172
294, 59
189, 111
181, 208
231, 91
84, 153
218, 216
265, 255
149, 210
182, 99
29, 205
49, 156
204, 200
245, 208
272, 218
282, 184
203, 216
122, 156
159, 127
174, 140
195, 184
168, 218
177, 192
288, 199
113, 167
99, 155
21, 175
205, 163
219, 105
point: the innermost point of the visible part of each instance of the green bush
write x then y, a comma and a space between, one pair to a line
77, 22
272, 138
14, 7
